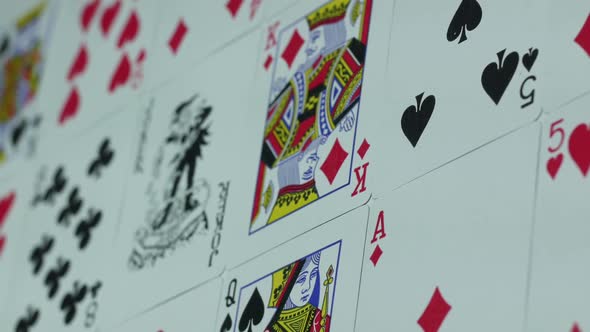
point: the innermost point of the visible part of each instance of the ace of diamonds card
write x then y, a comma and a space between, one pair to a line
459, 74
559, 290
72, 216
450, 250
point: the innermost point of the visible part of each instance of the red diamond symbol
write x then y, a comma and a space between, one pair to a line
362, 150
583, 37
254, 8
435, 313
576, 328
331, 166
178, 36
267, 62
293, 48
233, 6
377, 252
5, 206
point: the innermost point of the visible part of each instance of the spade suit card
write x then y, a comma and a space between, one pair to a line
194, 310
565, 29
96, 65
25, 33
184, 189
558, 296
190, 31
309, 283
459, 73
450, 250
72, 216
312, 155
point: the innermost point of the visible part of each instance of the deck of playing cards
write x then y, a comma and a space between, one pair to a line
301, 166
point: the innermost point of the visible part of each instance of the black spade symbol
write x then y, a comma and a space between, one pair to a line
497, 76
416, 117
528, 60
253, 312
467, 18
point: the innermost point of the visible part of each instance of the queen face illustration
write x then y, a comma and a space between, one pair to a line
306, 287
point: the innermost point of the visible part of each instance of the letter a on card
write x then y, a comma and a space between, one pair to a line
379, 229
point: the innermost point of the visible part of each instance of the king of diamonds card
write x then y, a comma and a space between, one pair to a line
312, 110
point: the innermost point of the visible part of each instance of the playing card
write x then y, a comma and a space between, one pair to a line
188, 312
189, 31
96, 65
24, 38
274, 8
72, 217
307, 284
13, 206
565, 29
313, 158
459, 74
449, 251
559, 290
184, 193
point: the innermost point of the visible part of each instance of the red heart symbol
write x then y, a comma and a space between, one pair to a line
121, 74
130, 30
141, 56
79, 64
579, 147
5, 206
88, 14
108, 17
70, 108
553, 165
2, 241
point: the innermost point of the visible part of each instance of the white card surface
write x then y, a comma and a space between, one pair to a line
450, 250
445, 93
188, 32
559, 289
184, 191
190, 311
566, 51
96, 65
71, 221
14, 203
307, 284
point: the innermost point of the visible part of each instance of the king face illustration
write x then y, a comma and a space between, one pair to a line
21, 60
313, 110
